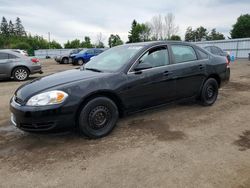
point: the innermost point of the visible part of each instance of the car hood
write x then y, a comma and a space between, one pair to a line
29, 89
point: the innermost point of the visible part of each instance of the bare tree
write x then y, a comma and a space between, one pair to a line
99, 40
156, 26
163, 27
170, 27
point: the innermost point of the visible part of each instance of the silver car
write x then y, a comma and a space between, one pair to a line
17, 66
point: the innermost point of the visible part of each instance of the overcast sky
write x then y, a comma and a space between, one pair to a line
67, 20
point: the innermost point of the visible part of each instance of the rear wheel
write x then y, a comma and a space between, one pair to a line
98, 117
21, 73
209, 92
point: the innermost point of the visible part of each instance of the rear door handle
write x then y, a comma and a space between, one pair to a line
201, 67
167, 73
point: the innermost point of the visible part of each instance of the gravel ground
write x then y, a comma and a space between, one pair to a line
181, 145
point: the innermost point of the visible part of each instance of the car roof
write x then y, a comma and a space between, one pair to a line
153, 43
12, 52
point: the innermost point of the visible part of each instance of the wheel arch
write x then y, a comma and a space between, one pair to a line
104, 93
19, 66
216, 77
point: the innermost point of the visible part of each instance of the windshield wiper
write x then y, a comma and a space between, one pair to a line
93, 69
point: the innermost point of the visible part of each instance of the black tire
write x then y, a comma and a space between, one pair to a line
80, 61
209, 92
98, 117
65, 60
20, 74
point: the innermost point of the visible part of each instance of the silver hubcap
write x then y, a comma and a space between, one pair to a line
21, 74
80, 62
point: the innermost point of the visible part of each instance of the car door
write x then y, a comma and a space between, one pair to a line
89, 53
189, 70
152, 86
4, 64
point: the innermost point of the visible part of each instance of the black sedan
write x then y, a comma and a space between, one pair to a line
121, 80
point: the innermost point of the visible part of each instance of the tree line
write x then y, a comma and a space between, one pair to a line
160, 27
14, 36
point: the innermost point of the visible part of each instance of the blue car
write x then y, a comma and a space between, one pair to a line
85, 55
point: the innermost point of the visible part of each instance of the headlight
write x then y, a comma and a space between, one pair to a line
47, 98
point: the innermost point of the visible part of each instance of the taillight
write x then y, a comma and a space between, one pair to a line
35, 60
227, 62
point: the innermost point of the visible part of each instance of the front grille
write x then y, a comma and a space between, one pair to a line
37, 126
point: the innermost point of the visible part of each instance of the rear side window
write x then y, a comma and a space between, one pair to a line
216, 50
183, 53
11, 56
208, 49
202, 54
3, 56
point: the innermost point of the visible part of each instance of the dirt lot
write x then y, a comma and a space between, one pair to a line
182, 145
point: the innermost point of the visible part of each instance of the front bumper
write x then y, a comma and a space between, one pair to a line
41, 118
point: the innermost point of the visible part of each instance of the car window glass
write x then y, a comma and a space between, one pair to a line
11, 56
220, 51
3, 56
183, 53
156, 57
202, 54
90, 52
215, 50
208, 48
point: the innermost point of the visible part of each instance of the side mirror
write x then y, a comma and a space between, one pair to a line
142, 66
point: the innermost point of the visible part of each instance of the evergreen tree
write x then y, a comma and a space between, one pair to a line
19, 28
134, 35
215, 35
241, 29
11, 28
4, 28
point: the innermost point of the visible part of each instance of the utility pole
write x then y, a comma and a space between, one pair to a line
49, 39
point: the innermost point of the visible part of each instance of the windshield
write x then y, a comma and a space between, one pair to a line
113, 59
83, 51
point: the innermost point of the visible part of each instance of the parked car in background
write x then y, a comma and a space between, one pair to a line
17, 66
218, 51
23, 52
85, 55
122, 80
65, 58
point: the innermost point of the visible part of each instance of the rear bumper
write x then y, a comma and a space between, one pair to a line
226, 77
39, 119
36, 69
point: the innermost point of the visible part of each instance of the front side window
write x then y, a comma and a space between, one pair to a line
156, 57
183, 53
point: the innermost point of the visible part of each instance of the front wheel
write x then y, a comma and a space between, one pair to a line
80, 61
98, 117
209, 92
